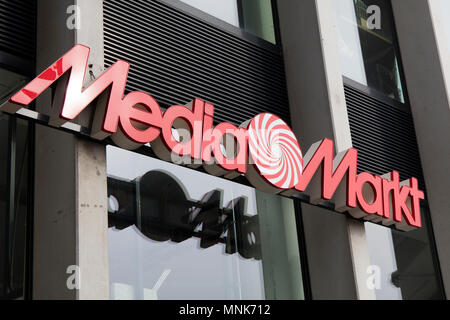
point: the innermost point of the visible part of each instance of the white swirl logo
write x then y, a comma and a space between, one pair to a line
274, 151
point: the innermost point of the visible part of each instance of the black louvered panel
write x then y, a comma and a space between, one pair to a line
384, 136
177, 57
18, 27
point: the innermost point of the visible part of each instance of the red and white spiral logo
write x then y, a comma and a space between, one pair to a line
275, 151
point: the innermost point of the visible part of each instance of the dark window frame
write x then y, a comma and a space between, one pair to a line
25, 67
304, 263
405, 106
11, 173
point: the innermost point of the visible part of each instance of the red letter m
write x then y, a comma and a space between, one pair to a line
325, 174
70, 97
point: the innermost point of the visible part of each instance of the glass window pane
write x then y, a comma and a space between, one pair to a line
405, 261
417, 274
4, 255
366, 40
382, 257
14, 143
176, 233
253, 16
279, 246
257, 18
226, 10
13, 207
21, 196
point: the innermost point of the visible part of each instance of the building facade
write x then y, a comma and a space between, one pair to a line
89, 218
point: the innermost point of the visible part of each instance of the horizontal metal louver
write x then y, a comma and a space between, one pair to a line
384, 136
177, 57
18, 28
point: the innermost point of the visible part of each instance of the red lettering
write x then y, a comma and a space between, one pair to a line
140, 120
236, 144
411, 213
189, 120
277, 162
320, 156
391, 190
370, 193
75, 98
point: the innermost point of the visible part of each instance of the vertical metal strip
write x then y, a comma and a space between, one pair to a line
276, 25
5, 239
28, 281
11, 195
306, 279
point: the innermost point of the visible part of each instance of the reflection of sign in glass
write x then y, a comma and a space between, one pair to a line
264, 148
158, 205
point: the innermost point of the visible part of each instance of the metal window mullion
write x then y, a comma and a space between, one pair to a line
12, 148
306, 277
28, 281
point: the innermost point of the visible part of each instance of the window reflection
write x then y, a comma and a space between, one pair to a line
417, 275
367, 50
14, 197
406, 262
4, 266
176, 233
255, 17
226, 10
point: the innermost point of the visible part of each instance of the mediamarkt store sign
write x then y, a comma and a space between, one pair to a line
264, 149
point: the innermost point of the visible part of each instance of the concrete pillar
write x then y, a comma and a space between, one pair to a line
71, 229
425, 55
318, 110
